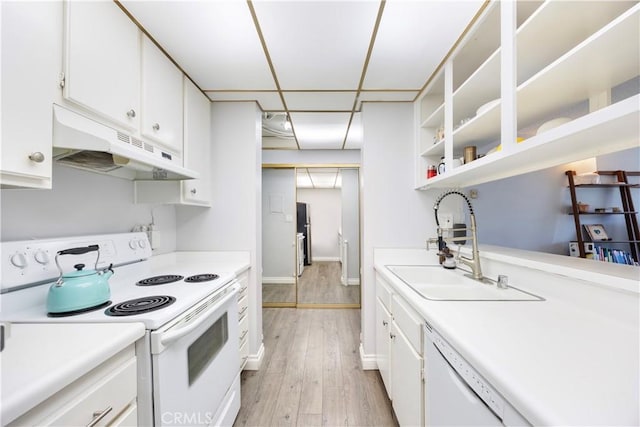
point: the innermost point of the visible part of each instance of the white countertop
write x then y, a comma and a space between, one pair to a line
217, 261
40, 359
573, 359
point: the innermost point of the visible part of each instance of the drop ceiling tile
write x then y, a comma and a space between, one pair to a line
319, 101
413, 38
215, 42
317, 44
320, 130
386, 96
268, 101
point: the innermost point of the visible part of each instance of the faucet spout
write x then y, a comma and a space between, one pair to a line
474, 261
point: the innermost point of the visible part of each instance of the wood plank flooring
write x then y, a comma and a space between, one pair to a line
318, 284
311, 374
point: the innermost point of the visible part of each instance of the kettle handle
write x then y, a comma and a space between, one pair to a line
76, 251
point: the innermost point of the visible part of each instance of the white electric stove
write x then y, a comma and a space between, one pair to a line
188, 361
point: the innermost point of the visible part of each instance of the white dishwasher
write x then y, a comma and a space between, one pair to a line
455, 394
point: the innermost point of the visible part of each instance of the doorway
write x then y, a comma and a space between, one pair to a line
311, 236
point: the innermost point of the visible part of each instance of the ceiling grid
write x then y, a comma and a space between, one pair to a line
313, 61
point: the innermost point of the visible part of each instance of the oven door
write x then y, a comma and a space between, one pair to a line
195, 361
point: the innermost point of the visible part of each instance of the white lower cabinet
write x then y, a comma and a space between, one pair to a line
399, 354
104, 396
243, 318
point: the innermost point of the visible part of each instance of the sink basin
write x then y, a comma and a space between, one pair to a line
436, 283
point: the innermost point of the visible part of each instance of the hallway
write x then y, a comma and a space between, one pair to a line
311, 374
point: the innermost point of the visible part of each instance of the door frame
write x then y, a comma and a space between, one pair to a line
297, 166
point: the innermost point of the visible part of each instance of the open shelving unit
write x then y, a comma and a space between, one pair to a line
627, 211
561, 67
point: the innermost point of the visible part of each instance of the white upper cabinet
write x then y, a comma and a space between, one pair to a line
197, 141
522, 65
197, 151
31, 48
161, 97
102, 61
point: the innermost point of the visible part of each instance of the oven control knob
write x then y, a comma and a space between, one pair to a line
142, 244
42, 257
19, 260
132, 244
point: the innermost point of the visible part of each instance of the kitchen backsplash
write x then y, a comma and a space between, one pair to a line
81, 203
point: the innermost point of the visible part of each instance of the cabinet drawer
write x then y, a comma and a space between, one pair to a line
244, 354
383, 292
243, 279
109, 389
244, 329
408, 321
243, 306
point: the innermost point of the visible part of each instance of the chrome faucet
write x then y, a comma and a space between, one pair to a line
474, 261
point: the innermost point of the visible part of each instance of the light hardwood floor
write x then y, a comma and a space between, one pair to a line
311, 374
318, 284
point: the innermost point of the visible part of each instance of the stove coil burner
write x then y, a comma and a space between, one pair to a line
81, 311
160, 280
140, 305
201, 278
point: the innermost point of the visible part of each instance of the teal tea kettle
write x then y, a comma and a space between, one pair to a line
80, 289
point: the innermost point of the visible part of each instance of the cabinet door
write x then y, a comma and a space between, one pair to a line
407, 389
383, 329
161, 97
197, 144
102, 69
31, 48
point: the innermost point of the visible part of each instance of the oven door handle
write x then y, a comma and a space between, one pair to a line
166, 338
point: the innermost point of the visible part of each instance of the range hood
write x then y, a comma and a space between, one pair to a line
83, 143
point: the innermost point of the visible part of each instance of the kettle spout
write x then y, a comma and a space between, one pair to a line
108, 272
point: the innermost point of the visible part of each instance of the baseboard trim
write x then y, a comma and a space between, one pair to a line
278, 280
324, 259
368, 361
255, 360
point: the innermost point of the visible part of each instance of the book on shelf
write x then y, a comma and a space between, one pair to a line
617, 256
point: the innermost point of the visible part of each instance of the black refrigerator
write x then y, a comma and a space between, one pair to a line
304, 227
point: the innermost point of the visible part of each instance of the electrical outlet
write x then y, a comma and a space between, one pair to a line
446, 220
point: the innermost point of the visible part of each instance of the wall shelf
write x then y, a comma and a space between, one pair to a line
581, 59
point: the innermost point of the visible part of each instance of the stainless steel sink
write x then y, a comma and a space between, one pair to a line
436, 283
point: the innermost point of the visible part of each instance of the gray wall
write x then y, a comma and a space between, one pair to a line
278, 224
81, 203
530, 211
351, 220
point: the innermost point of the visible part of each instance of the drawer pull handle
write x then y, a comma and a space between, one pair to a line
392, 336
156, 127
131, 113
99, 415
385, 323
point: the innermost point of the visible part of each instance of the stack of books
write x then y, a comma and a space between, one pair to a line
617, 256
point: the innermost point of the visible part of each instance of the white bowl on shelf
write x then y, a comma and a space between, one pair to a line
486, 107
554, 123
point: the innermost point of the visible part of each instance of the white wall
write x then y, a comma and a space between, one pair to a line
234, 221
81, 203
394, 215
351, 221
325, 215
278, 225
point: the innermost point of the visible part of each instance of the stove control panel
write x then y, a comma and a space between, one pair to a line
33, 261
